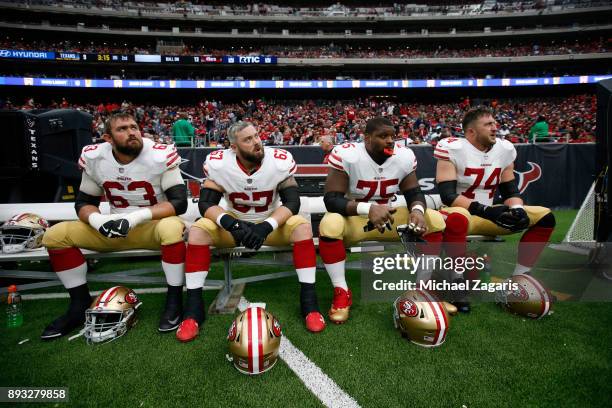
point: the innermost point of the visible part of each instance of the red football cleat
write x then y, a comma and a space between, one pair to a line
187, 331
341, 305
315, 322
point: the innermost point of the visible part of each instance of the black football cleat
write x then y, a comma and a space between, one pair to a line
64, 324
173, 311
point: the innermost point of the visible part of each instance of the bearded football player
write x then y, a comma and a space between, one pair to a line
362, 179
145, 190
262, 208
468, 174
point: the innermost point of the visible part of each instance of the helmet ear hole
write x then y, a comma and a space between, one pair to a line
422, 314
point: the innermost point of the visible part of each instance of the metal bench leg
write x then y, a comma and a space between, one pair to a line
228, 297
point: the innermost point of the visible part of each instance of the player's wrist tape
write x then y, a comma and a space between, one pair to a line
96, 220
273, 223
418, 207
139, 216
225, 221
364, 208
516, 206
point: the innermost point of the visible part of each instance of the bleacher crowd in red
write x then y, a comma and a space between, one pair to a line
303, 122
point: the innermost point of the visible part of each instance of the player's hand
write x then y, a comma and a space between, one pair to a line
115, 228
257, 234
417, 222
106, 225
516, 219
381, 215
236, 227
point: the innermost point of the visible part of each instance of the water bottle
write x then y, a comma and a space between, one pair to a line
485, 274
14, 314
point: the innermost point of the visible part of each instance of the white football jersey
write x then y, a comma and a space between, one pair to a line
128, 187
252, 197
369, 181
478, 173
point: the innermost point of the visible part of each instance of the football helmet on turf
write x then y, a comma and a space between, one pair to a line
422, 318
21, 232
254, 341
111, 315
529, 298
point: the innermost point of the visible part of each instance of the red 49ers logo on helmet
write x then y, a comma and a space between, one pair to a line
131, 297
520, 294
276, 328
408, 308
231, 334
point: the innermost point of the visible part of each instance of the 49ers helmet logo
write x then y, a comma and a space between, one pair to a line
520, 294
527, 177
276, 328
231, 334
408, 308
131, 298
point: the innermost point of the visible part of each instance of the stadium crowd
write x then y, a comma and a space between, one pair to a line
304, 122
551, 47
387, 8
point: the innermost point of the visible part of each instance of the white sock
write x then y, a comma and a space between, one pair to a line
195, 280
71, 278
520, 269
174, 273
336, 274
307, 275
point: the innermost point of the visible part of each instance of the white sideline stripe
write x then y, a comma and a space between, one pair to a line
323, 387
64, 295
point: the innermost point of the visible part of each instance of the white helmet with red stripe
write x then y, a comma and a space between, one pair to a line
422, 318
254, 341
21, 232
111, 315
528, 297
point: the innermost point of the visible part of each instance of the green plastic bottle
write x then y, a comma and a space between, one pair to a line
14, 312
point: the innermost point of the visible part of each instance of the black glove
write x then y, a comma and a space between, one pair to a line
115, 228
518, 218
498, 214
257, 234
236, 227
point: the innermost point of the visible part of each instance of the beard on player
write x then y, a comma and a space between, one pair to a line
131, 147
255, 155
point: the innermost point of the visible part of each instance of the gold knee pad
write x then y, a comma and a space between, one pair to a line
220, 237
332, 226
170, 230
56, 236
282, 235
435, 221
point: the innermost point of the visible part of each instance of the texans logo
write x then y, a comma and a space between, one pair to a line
408, 308
527, 177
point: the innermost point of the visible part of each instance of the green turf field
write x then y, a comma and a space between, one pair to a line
490, 358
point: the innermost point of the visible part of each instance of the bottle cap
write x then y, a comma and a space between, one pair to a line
12, 288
